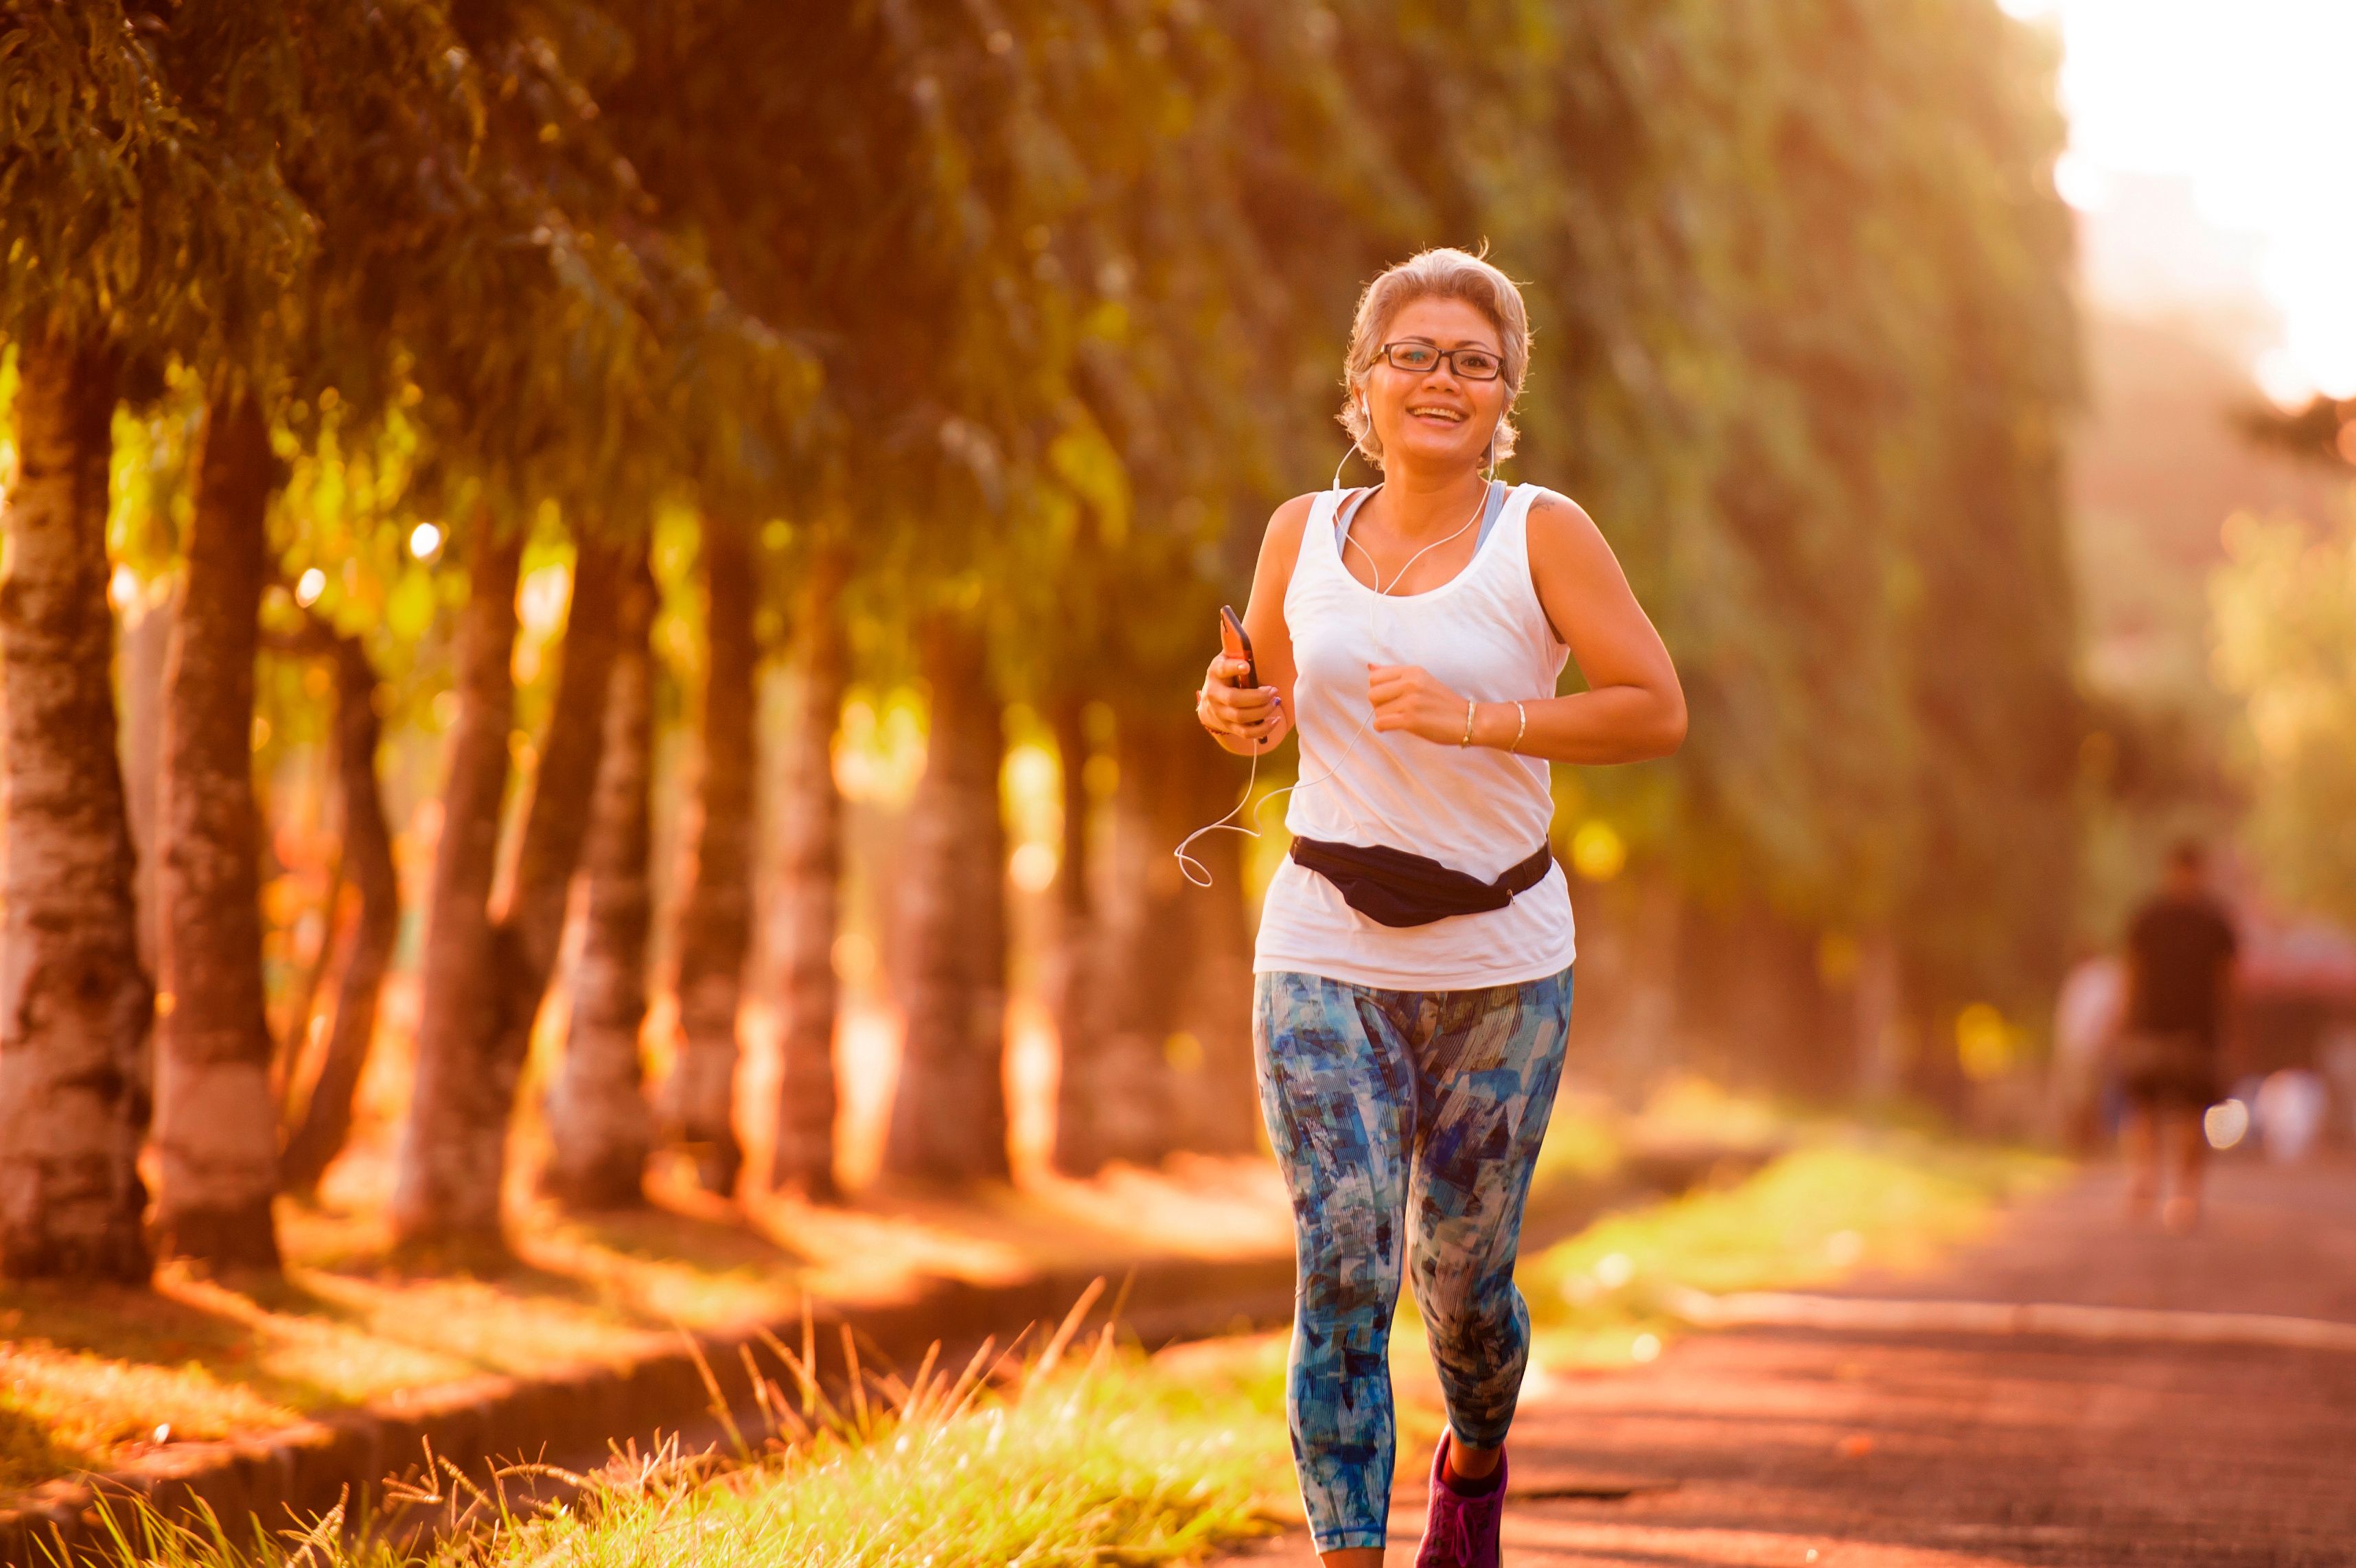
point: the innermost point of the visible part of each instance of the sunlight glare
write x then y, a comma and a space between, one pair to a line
2248, 100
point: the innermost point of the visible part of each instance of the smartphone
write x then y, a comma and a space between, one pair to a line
1235, 644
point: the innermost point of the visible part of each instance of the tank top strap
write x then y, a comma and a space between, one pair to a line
1501, 494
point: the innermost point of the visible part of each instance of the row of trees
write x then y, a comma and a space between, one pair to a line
2284, 624
974, 342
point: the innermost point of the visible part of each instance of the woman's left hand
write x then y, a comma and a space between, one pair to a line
1405, 697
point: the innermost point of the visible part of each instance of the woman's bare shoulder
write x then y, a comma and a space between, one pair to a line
1291, 521
1287, 525
1568, 552
1556, 513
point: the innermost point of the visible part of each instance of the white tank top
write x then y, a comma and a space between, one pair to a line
1477, 809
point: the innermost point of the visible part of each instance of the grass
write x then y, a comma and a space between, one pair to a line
90, 1375
1121, 1459
1841, 1202
1129, 1459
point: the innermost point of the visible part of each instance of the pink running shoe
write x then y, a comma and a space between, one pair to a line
1461, 1531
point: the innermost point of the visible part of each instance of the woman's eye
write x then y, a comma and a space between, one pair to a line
1477, 364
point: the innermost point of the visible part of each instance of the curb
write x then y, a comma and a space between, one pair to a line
301, 1471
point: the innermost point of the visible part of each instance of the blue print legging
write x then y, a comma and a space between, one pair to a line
1406, 1122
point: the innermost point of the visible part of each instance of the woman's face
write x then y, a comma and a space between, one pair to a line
1435, 419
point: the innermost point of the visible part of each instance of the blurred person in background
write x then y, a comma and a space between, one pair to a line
2086, 1019
2336, 1056
2291, 1107
2180, 954
1414, 953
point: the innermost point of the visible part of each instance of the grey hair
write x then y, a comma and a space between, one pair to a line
1444, 274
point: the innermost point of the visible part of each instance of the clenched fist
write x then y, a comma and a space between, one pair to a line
1406, 697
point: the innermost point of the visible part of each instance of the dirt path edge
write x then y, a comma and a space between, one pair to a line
299, 1472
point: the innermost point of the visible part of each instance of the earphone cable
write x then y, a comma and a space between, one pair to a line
1193, 870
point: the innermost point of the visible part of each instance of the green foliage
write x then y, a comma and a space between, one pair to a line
131, 213
1809, 1217
1039, 309
2285, 608
1804, 349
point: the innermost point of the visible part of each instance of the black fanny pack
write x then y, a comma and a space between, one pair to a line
1392, 887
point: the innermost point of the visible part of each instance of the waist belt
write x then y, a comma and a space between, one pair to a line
1392, 887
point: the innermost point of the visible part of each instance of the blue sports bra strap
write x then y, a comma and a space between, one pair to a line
1491, 510
1498, 492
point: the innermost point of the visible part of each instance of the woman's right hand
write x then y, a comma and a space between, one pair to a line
1252, 717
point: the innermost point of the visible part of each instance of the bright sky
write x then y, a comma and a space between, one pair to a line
2254, 103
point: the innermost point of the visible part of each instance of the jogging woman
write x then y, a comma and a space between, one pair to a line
1414, 952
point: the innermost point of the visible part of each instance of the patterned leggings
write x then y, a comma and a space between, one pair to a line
1406, 1122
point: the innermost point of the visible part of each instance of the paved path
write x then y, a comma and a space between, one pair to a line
1778, 1445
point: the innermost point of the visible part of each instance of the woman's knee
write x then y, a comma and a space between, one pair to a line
1472, 1317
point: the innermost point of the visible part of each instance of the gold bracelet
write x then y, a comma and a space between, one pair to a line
1468, 725
1520, 729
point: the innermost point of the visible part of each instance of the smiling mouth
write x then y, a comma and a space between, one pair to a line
1428, 411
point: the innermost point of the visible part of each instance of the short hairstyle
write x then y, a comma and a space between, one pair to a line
1442, 273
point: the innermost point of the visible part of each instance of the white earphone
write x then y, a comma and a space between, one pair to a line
1193, 870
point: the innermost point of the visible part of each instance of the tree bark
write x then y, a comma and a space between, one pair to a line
532, 922
497, 965
75, 1006
948, 1119
216, 1120
454, 1144
716, 925
1068, 982
1218, 1097
812, 834
528, 926
600, 1127
368, 864
1118, 1098
147, 639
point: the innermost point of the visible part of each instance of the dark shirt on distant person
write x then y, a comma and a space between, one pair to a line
2179, 949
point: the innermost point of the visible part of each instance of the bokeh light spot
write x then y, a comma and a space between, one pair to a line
1984, 1043
2225, 1124
1597, 852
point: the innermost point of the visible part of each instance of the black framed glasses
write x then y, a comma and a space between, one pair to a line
1421, 358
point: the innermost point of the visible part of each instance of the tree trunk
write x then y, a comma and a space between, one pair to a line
812, 834
497, 969
1879, 1018
1068, 985
528, 928
531, 922
1119, 1089
75, 1006
1218, 1100
367, 865
216, 1120
600, 1127
716, 925
454, 1143
948, 1119
147, 639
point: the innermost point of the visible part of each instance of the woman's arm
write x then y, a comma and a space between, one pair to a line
1633, 709
1253, 720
